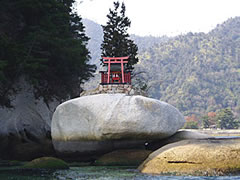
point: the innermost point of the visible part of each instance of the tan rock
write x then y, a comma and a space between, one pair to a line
126, 157
100, 87
195, 157
119, 91
46, 163
132, 92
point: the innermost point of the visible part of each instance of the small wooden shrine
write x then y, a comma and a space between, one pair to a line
115, 73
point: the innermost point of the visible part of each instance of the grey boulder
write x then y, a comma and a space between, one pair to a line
100, 123
25, 131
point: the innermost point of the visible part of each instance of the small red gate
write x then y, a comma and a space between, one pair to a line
115, 73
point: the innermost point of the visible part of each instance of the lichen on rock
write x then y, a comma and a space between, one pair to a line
195, 157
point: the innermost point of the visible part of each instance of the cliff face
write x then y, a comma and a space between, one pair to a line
25, 128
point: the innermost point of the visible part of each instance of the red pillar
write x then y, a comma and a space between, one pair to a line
122, 71
109, 66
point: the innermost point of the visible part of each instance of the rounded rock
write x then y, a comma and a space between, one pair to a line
105, 121
211, 157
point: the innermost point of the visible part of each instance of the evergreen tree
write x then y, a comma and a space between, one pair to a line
226, 119
44, 42
116, 41
205, 121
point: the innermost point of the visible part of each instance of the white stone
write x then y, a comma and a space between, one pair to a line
132, 92
100, 87
86, 122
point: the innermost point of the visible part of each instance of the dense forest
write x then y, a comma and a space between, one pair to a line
43, 42
197, 72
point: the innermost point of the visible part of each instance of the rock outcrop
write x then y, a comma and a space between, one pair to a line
178, 136
46, 163
101, 123
25, 131
113, 89
195, 157
128, 157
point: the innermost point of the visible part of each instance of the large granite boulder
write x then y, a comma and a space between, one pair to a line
25, 131
101, 123
195, 157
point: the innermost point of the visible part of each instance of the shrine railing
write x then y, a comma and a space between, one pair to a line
127, 77
104, 78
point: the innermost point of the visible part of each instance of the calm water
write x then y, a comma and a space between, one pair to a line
95, 173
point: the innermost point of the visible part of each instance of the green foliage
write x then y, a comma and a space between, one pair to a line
44, 42
141, 86
116, 42
197, 73
226, 119
209, 120
223, 119
191, 125
205, 121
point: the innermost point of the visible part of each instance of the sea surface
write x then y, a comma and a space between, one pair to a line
95, 173
98, 173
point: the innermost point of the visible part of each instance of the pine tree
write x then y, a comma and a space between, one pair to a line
117, 42
43, 41
226, 119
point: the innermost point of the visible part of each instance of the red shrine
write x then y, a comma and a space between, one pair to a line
115, 73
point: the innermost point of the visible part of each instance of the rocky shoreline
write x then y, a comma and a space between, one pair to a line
188, 152
112, 128
217, 132
198, 157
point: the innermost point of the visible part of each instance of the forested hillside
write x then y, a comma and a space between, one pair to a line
197, 73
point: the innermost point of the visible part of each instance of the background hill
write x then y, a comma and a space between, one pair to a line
197, 73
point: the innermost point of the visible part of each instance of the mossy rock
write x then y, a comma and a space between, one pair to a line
209, 157
46, 163
126, 157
